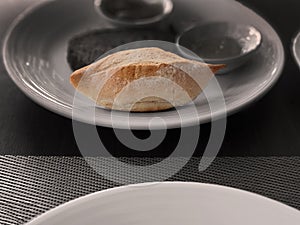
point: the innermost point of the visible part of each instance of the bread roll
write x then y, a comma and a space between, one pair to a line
143, 80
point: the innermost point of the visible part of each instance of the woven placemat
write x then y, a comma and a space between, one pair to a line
30, 186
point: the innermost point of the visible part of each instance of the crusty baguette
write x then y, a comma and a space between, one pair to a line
143, 80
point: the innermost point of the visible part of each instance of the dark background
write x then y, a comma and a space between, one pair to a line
270, 127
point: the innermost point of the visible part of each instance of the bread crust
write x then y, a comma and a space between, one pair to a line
106, 79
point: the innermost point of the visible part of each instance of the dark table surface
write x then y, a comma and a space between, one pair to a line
270, 127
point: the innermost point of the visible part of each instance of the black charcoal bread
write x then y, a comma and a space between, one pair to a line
85, 48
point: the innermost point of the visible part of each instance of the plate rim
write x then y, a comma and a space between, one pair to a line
66, 111
165, 184
295, 40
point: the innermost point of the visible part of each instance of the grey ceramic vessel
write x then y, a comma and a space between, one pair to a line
35, 51
131, 13
231, 44
296, 48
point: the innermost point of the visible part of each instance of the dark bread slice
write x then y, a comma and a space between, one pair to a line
86, 48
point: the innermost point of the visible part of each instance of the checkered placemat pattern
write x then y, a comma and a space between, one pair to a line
30, 186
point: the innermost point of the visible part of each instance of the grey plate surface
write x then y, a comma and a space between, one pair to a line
35, 56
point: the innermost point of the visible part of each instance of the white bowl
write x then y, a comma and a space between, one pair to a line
171, 203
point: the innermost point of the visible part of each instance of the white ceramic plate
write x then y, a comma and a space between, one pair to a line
171, 203
35, 57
